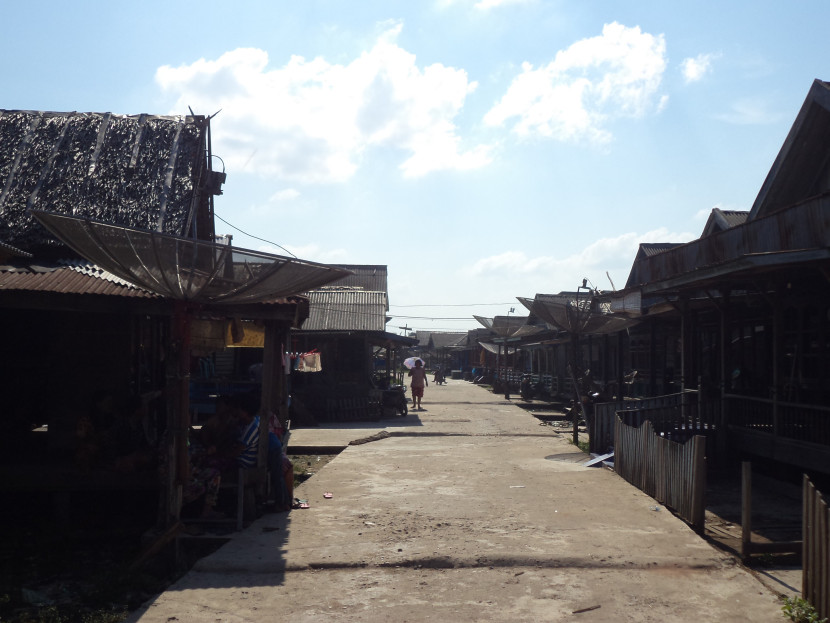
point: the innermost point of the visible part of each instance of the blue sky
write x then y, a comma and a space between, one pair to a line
481, 149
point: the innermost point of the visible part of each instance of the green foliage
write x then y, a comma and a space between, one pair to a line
800, 610
583, 445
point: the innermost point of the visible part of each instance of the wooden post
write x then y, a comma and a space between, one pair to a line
686, 330
776, 353
652, 359
807, 502
620, 368
746, 509
723, 419
388, 359
699, 485
271, 369
577, 410
178, 419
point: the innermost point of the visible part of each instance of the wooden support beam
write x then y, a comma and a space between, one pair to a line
746, 509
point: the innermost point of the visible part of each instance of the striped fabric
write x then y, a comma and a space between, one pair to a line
249, 437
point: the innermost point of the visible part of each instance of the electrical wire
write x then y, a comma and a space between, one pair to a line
252, 236
430, 317
455, 305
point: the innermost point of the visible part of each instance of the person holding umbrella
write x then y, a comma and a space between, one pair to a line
419, 381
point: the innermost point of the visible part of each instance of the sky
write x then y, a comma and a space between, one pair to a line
482, 150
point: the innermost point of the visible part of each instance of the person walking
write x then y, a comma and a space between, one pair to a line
419, 381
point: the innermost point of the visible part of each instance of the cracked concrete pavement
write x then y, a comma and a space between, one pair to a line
469, 510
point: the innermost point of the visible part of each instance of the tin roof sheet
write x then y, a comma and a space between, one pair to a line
346, 310
440, 339
800, 168
369, 277
66, 277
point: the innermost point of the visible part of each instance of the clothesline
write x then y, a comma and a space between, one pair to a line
308, 361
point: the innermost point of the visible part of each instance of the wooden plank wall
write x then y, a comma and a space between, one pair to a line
674, 474
601, 435
816, 550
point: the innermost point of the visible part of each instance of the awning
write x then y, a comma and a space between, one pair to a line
568, 313
187, 269
497, 348
503, 326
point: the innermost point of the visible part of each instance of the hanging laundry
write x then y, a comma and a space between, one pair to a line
311, 362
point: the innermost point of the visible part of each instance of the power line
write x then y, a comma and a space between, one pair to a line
252, 236
431, 317
455, 305
423, 330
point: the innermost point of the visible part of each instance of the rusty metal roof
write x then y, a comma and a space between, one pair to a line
790, 235
346, 310
646, 250
800, 169
789, 223
66, 277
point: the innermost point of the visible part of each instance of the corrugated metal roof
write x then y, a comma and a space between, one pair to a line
7, 251
803, 227
800, 168
440, 339
137, 171
653, 248
70, 277
369, 277
735, 217
647, 250
346, 310
723, 219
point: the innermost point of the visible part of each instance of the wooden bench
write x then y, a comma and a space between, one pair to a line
247, 481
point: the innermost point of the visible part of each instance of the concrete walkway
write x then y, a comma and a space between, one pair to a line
469, 510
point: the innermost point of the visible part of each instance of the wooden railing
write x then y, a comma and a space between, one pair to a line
815, 575
675, 416
672, 473
783, 419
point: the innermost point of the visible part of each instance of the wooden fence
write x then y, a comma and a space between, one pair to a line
672, 473
602, 425
678, 417
815, 575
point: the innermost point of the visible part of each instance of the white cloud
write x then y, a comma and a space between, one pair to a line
485, 5
750, 112
286, 194
481, 5
607, 254
703, 214
694, 69
312, 121
311, 252
595, 80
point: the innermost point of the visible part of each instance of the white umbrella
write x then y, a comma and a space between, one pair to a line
410, 362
